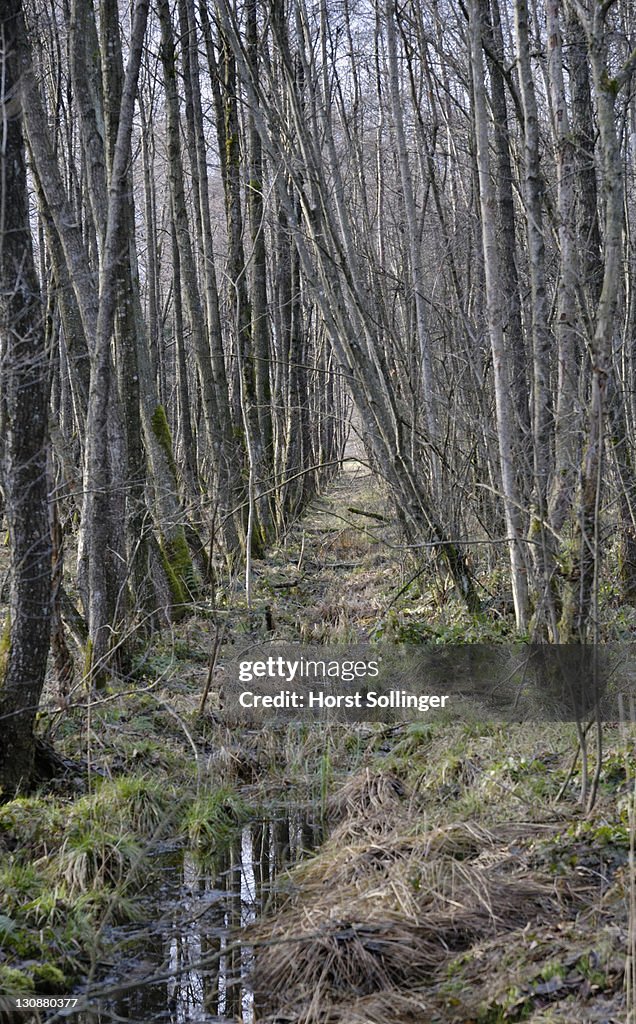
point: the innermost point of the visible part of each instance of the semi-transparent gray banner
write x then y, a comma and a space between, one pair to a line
283, 682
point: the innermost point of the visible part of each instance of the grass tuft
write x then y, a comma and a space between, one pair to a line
213, 818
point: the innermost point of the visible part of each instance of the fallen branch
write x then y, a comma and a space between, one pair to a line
369, 515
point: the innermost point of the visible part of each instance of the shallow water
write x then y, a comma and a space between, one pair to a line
184, 961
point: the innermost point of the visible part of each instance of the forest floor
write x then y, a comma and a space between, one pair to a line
459, 881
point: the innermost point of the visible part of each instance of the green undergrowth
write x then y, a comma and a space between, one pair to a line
71, 864
212, 819
153, 773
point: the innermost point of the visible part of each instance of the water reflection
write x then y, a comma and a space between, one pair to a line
184, 962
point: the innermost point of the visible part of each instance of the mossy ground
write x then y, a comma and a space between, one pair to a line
427, 821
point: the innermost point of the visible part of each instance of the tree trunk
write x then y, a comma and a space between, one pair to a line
540, 535
511, 301
25, 377
588, 551
104, 574
567, 413
518, 569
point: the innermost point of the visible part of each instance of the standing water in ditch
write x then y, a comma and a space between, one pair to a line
185, 960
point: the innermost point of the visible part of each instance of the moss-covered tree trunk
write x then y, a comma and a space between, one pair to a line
25, 397
148, 439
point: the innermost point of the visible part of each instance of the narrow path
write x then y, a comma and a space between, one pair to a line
329, 581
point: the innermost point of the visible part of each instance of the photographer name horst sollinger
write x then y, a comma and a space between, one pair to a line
318, 700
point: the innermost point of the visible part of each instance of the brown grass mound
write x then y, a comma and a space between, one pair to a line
342, 955
367, 794
323, 946
461, 839
461, 901
363, 856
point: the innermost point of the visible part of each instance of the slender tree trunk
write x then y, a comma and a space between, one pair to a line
589, 553
511, 299
414, 235
188, 447
567, 413
518, 569
542, 420
258, 263
230, 145
149, 443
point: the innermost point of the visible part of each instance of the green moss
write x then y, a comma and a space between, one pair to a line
176, 589
175, 553
610, 85
231, 147
14, 982
535, 528
179, 569
178, 554
88, 658
33, 823
161, 430
19, 883
48, 978
5, 647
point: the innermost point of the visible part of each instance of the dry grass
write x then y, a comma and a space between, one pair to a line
390, 1005
368, 921
402, 917
365, 794
398, 851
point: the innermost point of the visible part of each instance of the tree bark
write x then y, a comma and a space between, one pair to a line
519, 579
103, 592
587, 567
25, 377
542, 341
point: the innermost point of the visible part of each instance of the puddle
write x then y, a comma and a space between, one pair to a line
184, 962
